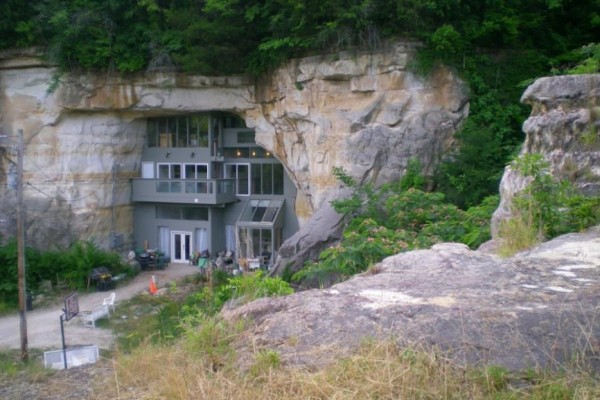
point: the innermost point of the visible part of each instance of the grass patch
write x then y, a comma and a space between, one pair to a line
12, 367
378, 370
518, 233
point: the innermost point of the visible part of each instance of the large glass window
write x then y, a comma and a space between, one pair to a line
169, 171
199, 125
182, 131
168, 212
258, 243
233, 121
261, 211
245, 137
267, 179
196, 171
240, 173
182, 213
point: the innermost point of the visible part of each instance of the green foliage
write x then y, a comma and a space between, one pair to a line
69, 266
264, 362
494, 378
232, 35
406, 218
546, 207
8, 266
246, 287
256, 285
210, 337
588, 59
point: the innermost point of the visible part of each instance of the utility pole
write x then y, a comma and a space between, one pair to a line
113, 233
21, 249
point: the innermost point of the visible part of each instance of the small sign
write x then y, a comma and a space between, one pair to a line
71, 306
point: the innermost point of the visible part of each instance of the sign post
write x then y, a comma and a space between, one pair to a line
71, 310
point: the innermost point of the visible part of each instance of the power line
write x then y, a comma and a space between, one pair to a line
62, 197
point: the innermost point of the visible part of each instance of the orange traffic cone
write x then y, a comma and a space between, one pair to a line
153, 289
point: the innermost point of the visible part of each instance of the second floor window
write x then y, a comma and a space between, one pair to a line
169, 171
267, 179
241, 175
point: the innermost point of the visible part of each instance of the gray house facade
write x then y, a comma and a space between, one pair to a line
206, 185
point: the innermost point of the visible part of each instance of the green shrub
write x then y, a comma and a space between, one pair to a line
394, 218
69, 267
210, 337
254, 286
9, 289
545, 208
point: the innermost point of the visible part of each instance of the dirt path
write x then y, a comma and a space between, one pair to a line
43, 325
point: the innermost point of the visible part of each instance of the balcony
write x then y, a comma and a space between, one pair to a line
211, 191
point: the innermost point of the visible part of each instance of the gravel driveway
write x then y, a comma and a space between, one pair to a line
43, 325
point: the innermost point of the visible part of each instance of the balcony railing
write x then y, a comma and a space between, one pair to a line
206, 191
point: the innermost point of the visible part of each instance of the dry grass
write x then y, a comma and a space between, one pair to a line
518, 233
378, 371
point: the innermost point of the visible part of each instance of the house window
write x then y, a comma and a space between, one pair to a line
196, 171
183, 131
245, 137
182, 213
194, 213
239, 172
267, 179
168, 171
261, 211
168, 212
258, 242
233, 121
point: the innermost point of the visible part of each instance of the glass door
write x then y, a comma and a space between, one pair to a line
181, 246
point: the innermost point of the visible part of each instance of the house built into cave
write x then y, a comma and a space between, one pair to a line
206, 185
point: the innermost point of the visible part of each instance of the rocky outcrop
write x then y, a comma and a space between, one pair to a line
564, 126
365, 112
537, 309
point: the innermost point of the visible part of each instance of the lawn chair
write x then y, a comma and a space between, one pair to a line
110, 301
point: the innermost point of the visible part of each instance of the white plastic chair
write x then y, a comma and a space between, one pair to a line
110, 301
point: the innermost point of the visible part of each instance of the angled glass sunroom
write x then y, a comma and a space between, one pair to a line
259, 231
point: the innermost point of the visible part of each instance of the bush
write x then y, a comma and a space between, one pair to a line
545, 208
70, 267
392, 219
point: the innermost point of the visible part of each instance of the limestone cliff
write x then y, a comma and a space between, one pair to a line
365, 112
564, 126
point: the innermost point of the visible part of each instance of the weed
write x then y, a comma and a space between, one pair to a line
589, 138
265, 362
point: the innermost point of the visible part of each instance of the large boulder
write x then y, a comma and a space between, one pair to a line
536, 309
564, 126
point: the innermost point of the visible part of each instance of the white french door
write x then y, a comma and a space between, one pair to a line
181, 246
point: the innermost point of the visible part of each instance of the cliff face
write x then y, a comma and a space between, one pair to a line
364, 112
84, 133
564, 126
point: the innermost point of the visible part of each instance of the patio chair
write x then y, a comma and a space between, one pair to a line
110, 301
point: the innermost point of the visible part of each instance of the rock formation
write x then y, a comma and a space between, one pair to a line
365, 112
537, 309
564, 126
